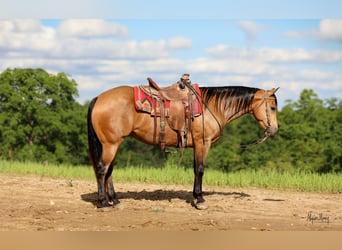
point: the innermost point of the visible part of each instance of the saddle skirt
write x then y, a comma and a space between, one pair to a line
175, 105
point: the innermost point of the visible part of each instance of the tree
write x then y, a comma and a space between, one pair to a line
39, 117
309, 134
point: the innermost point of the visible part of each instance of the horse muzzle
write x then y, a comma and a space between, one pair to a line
271, 131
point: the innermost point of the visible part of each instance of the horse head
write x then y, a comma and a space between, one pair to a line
264, 109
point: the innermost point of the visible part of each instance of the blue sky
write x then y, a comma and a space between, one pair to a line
292, 46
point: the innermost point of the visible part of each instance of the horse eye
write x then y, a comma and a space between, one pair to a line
273, 108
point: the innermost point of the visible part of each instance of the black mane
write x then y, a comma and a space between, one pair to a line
237, 97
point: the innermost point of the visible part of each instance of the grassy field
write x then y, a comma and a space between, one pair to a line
174, 174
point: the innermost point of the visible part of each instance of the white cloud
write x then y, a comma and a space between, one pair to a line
111, 49
180, 43
27, 26
276, 55
29, 38
330, 29
90, 28
20, 25
25, 37
88, 83
251, 29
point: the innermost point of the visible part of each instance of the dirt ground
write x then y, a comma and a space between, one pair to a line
32, 203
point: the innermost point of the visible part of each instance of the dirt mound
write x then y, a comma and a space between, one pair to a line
33, 203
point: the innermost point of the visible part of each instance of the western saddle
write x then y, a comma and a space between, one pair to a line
178, 115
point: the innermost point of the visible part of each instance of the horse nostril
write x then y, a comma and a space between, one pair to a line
274, 131
271, 131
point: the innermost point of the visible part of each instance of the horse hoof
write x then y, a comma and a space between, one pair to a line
103, 204
201, 205
113, 202
117, 204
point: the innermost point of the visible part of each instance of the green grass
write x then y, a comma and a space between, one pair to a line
174, 174
46, 170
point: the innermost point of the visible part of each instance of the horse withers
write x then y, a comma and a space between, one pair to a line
112, 116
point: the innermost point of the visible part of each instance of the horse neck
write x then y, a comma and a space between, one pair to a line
232, 114
230, 103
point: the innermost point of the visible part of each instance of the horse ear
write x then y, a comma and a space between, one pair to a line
272, 91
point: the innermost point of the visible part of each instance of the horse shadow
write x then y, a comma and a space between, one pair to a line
160, 195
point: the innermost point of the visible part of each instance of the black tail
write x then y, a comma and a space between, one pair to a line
94, 144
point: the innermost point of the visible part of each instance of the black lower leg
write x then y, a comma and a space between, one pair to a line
100, 175
111, 196
197, 191
110, 190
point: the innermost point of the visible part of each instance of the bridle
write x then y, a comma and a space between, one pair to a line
268, 125
266, 98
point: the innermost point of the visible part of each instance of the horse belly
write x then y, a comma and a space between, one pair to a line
148, 131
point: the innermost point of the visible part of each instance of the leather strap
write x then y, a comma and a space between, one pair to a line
162, 139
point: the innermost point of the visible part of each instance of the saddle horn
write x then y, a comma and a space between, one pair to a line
185, 80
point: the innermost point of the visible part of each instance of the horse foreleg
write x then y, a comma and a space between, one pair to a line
200, 154
197, 191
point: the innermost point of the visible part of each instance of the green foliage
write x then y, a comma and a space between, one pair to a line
39, 117
311, 133
136, 153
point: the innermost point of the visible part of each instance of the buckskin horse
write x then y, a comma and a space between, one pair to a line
112, 116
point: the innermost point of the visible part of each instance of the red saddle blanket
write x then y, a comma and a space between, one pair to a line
146, 103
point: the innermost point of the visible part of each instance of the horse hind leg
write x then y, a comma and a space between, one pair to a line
106, 193
110, 191
101, 171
